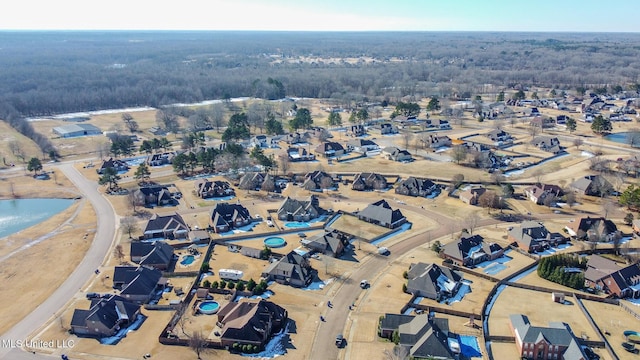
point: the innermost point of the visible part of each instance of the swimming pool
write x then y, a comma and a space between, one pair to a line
297, 224
275, 242
187, 260
469, 346
208, 307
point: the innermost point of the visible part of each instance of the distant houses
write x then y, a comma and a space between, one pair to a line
330, 149
105, 317
318, 181
300, 210
381, 213
543, 193
225, 217
166, 226
362, 146
118, 165
296, 154
367, 181
594, 229
532, 236
395, 154
499, 137
437, 141
292, 269
470, 250
413, 186
205, 188
160, 159
432, 281
548, 144
606, 275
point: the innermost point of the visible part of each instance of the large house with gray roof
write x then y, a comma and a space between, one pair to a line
138, 284
554, 342
166, 226
157, 254
327, 243
592, 185
593, 229
432, 281
533, 236
413, 186
300, 210
381, 213
470, 250
105, 317
292, 269
426, 337
225, 216
543, 193
250, 321
607, 276
369, 181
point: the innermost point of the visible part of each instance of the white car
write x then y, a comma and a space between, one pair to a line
269, 223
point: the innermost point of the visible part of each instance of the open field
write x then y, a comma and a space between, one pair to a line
613, 319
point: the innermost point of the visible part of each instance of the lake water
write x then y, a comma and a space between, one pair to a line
19, 214
625, 138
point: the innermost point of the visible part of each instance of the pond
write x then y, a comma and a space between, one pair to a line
19, 214
629, 138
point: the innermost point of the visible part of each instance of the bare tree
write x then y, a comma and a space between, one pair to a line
134, 200
472, 221
459, 153
198, 343
406, 139
577, 142
217, 115
608, 206
118, 253
570, 198
129, 224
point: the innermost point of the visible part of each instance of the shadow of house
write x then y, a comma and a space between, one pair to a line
593, 229
369, 181
138, 284
119, 165
413, 186
554, 342
105, 317
292, 269
225, 216
381, 213
592, 185
158, 254
427, 338
540, 192
606, 275
318, 181
166, 226
206, 188
469, 250
329, 243
432, 281
472, 195
155, 195
300, 210
250, 321
532, 236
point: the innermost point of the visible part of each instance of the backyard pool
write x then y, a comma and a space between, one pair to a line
208, 307
187, 260
275, 242
297, 224
469, 346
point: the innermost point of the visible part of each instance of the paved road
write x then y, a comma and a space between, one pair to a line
77, 279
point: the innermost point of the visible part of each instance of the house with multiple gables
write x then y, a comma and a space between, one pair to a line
297, 138
592, 185
206, 188
437, 141
356, 130
225, 217
330, 149
252, 181
470, 250
299, 154
292, 269
554, 342
318, 181
441, 124
432, 281
138, 284
166, 226
105, 317
593, 229
548, 144
539, 192
160, 159
533, 236
250, 321
157, 254
328, 243
369, 181
385, 128
362, 145
381, 213
154, 195
424, 337
117, 164
499, 137
395, 154
300, 210
413, 186
611, 278
263, 141
471, 195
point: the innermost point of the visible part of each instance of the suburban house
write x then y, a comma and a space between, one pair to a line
330, 149
606, 275
593, 229
369, 181
250, 321
356, 130
432, 281
547, 143
138, 284
297, 138
318, 180
441, 124
436, 141
260, 141
540, 192
499, 137
386, 129
424, 337
292, 269
554, 342
206, 188
225, 216
532, 236
328, 243
160, 158
199, 236
362, 145
592, 185
74, 130
470, 250
105, 317
300, 210
299, 154
166, 226
381, 213
252, 181
157, 254
119, 165
395, 154
413, 186
154, 195
471, 195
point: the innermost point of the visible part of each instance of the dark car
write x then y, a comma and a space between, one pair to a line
339, 340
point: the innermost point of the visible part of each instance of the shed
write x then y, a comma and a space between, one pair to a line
557, 297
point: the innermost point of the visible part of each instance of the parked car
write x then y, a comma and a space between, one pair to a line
364, 284
339, 340
269, 223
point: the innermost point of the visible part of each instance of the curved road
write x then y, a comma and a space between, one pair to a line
105, 234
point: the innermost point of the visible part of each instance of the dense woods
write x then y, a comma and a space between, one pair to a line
56, 72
